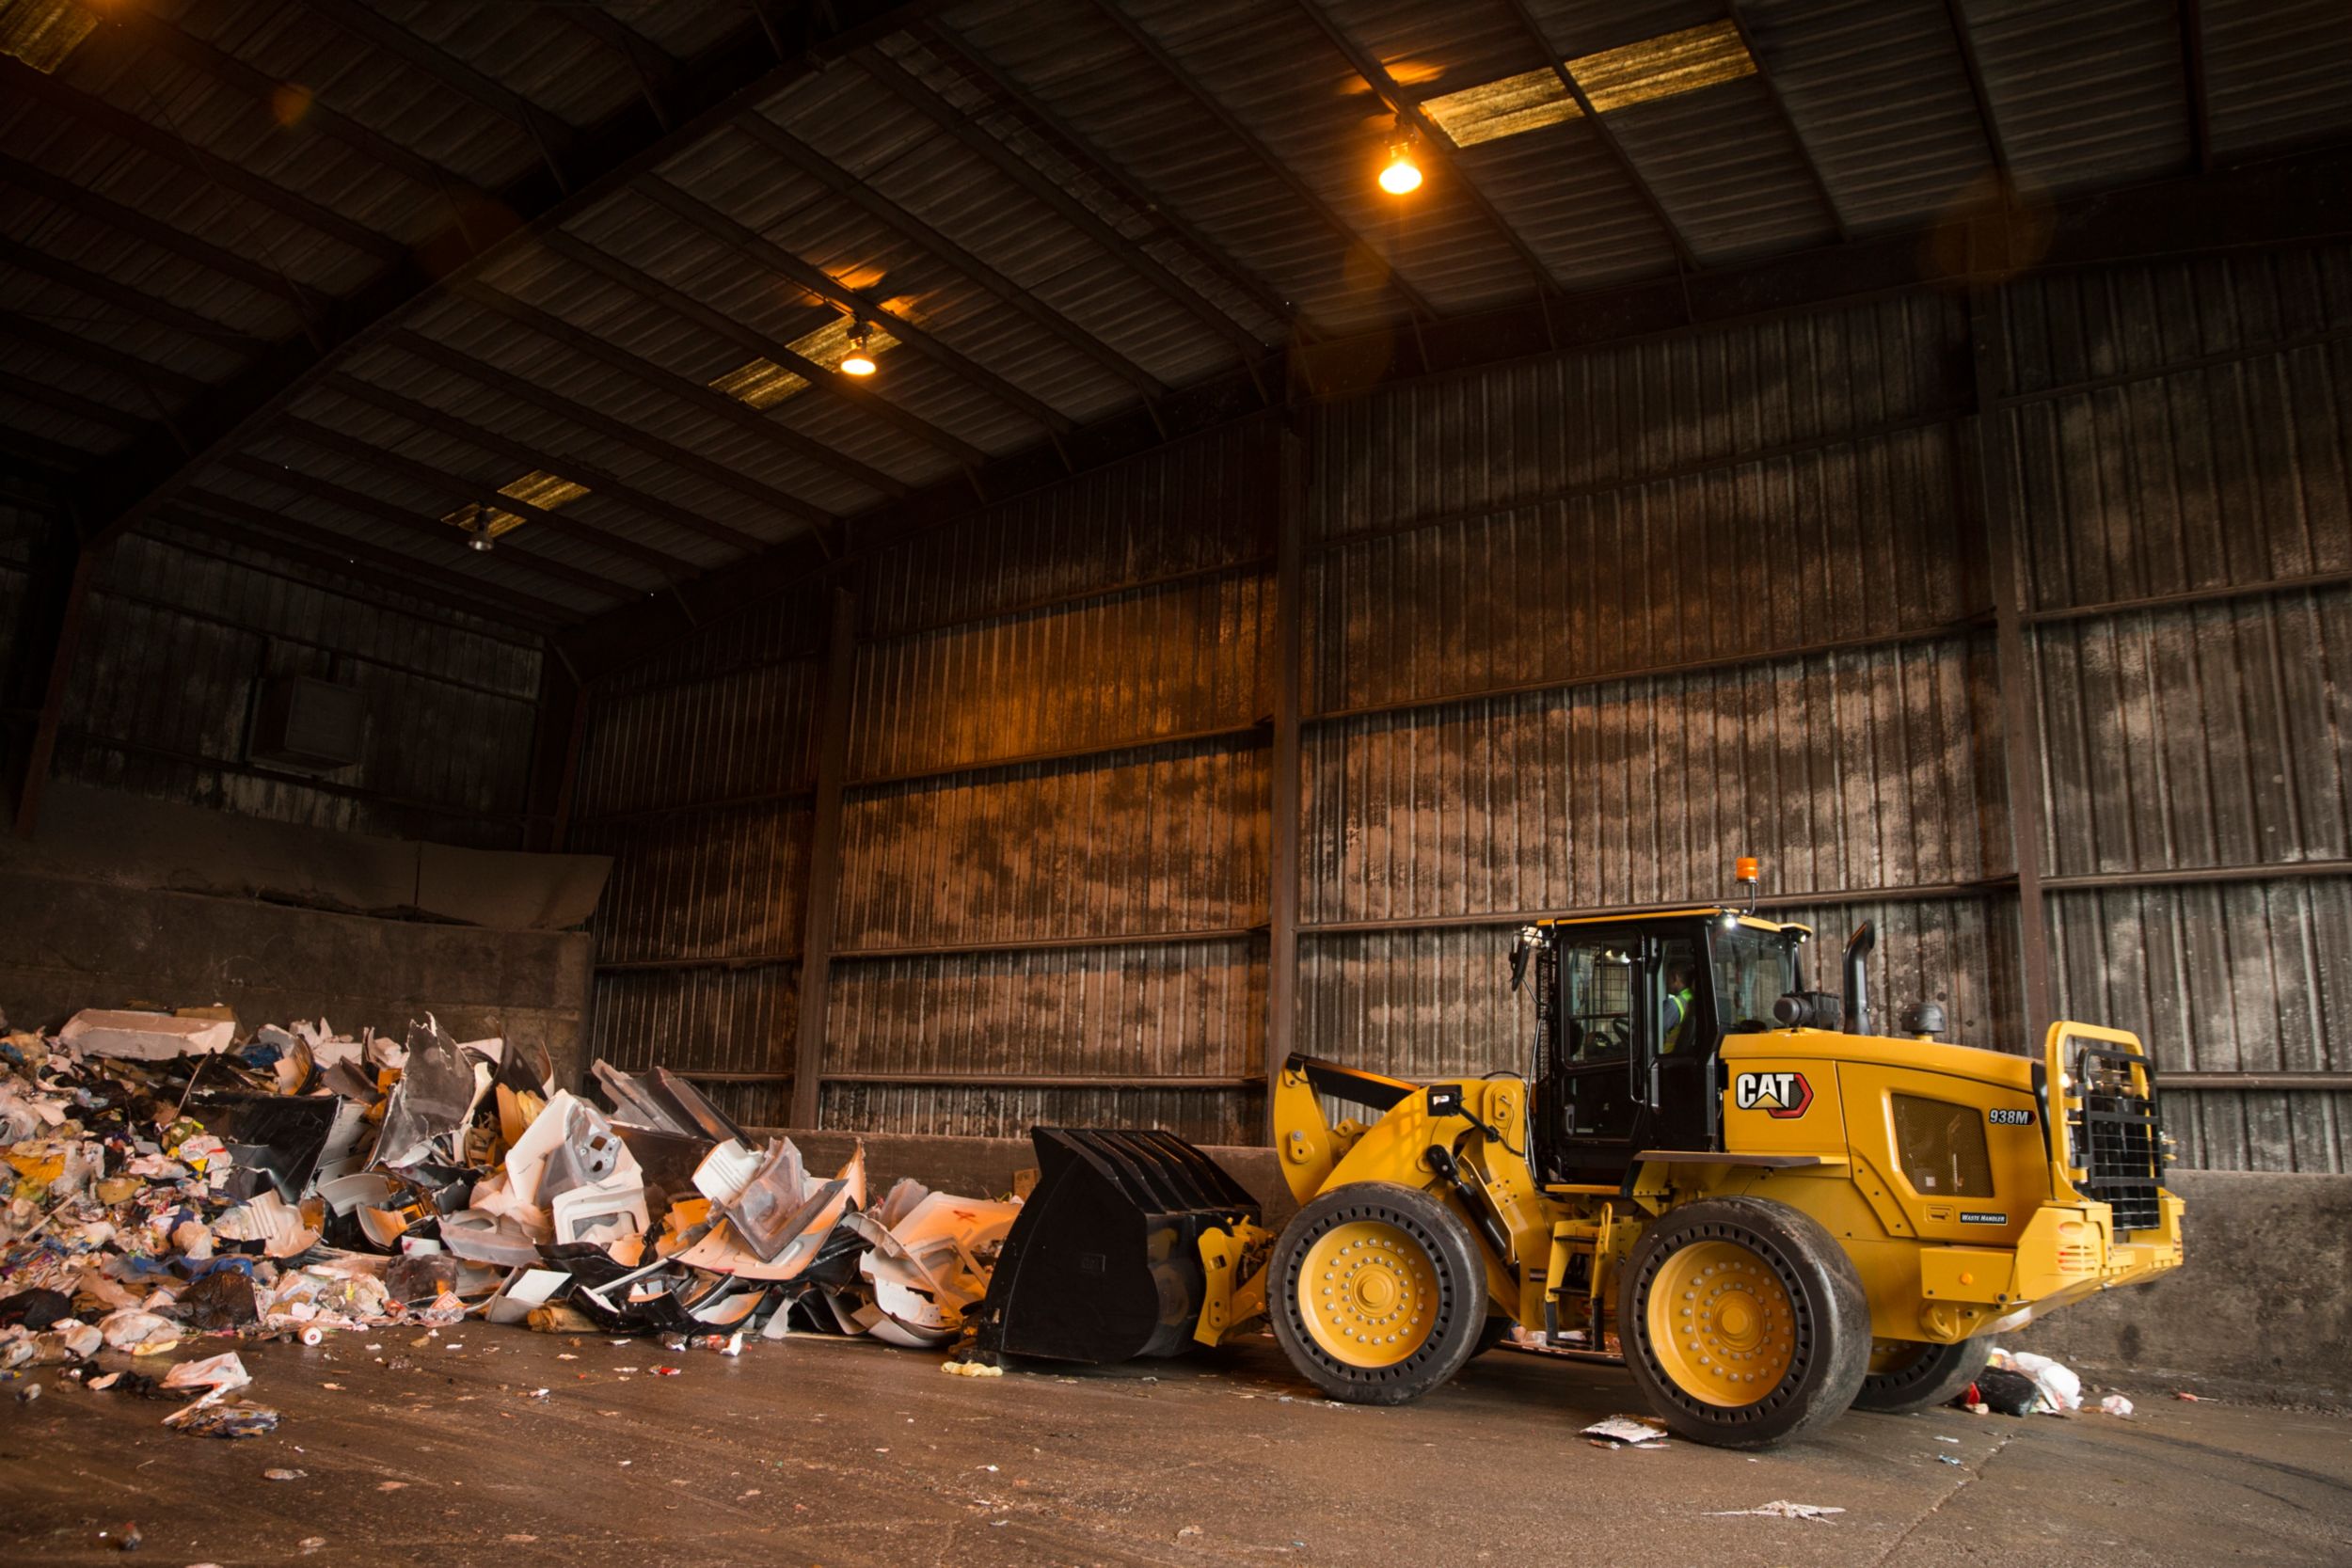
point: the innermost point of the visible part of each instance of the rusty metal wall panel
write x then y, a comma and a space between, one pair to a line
181, 639
1169, 839
1846, 772
1158, 1010
1491, 440
1135, 667
741, 734
2247, 976
2208, 735
724, 883
1196, 506
1862, 540
704, 1019
1204, 1116
1960, 952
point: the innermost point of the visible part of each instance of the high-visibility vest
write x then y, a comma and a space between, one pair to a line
1681, 998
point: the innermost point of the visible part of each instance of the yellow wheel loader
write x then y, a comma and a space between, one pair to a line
1773, 1214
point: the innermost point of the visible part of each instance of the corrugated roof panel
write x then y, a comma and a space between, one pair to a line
495, 338
1136, 117
919, 167
171, 193
397, 490
1289, 84
1726, 170
332, 522
1878, 93
680, 30
473, 400
1558, 186
745, 181
369, 86
2276, 72
493, 471
115, 326
563, 69
91, 245
2087, 94
1579, 27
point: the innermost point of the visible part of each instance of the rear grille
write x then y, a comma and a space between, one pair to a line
2116, 1137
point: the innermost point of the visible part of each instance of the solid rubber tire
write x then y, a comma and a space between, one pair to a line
1935, 1378
1832, 1325
1454, 1257
1497, 1329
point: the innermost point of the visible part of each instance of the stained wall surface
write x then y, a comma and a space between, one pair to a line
1574, 632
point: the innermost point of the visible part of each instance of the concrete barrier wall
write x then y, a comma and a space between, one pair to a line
2262, 1310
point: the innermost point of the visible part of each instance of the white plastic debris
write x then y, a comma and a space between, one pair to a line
2058, 1387
146, 1037
2114, 1404
1625, 1430
1780, 1510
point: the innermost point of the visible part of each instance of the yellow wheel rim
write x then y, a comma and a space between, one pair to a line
1721, 1323
1368, 1293
1893, 1355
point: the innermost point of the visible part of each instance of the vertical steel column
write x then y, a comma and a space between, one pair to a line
559, 726
1283, 795
824, 857
2021, 734
55, 637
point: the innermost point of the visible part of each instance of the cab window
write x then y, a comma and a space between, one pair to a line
1753, 970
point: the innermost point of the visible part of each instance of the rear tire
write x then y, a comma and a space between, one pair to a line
1904, 1376
1496, 1330
1743, 1321
1377, 1293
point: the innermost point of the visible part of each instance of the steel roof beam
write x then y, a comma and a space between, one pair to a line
694, 394
98, 286
1631, 172
42, 395
814, 281
258, 528
601, 481
551, 136
647, 60
821, 378
596, 419
163, 236
1400, 104
156, 33
1303, 193
426, 476
129, 365
2193, 73
808, 160
98, 115
431, 529
990, 77
1974, 68
1127, 252
1788, 121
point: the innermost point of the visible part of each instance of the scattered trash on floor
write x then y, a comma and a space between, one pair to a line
1945, 1459
2114, 1404
2057, 1389
2179, 1394
164, 1180
1620, 1431
1780, 1510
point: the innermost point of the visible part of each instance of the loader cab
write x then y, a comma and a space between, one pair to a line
1631, 1016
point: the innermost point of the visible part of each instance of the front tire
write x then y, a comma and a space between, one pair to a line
1906, 1375
1743, 1321
1377, 1293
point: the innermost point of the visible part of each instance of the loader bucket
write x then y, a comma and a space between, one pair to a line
1104, 1263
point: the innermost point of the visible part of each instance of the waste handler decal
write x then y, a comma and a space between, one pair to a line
1776, 1094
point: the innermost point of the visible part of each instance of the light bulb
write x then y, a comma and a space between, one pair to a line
1403, 175
860, 359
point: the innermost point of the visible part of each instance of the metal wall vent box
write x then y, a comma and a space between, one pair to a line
308, 723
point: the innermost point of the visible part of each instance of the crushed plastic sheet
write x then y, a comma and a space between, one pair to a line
1625, 1431
1780, 1510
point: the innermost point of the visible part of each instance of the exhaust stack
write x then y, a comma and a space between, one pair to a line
1857, 1021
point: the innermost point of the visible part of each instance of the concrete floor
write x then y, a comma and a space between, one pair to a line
831, 1453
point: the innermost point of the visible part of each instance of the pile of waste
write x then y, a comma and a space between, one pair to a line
169, 1180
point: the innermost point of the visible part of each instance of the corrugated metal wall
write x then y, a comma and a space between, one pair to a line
1576, 632
181, 632
2194, 748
